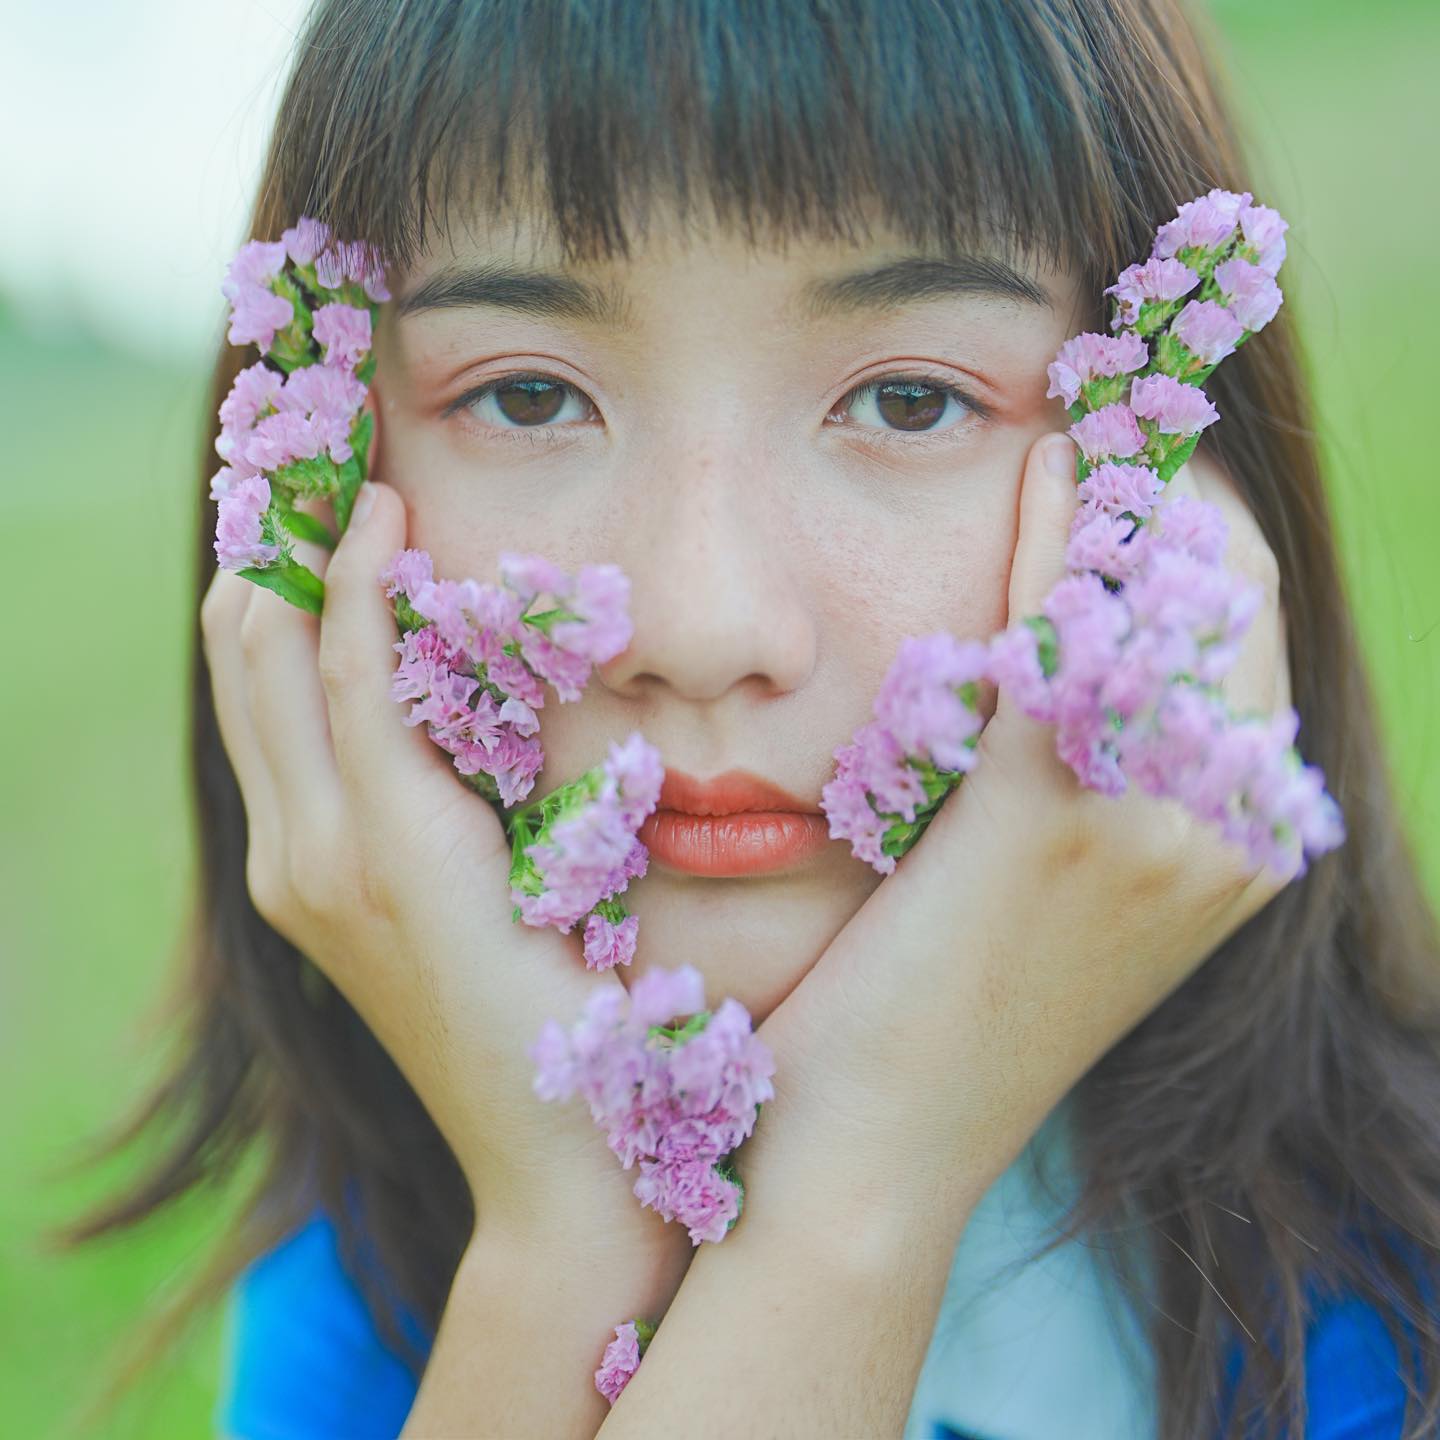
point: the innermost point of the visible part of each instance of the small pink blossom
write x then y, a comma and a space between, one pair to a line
1086, 356
1264, 231
1157, 281
305, 240
608, 945
343, 333
1121, 489
256, 311
1250, 291
1209, 330
1176, 409
238, 543
1205, 223
619, 1363
1109, 433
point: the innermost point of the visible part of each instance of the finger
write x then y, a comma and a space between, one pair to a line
222, 613
381, 759
1018, 752
281, 643
1047, 506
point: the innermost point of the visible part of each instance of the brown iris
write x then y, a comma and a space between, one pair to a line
530, 402
908, 405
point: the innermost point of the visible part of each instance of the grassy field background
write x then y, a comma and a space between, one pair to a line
98, 505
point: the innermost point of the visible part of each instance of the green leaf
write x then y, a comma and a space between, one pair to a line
1048, 644
291, 581
1177, 459
304, 526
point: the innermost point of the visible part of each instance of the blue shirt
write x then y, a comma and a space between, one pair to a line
1048, 1349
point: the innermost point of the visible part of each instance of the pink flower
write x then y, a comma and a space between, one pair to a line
352, 262
590, 853
343, 332
407, 573
619, 1363
252, 395
1109, 433
1099, 542
330, 399
1015, 669
238, 543
608, 945
1157, 281
1251, 292
600, 601
1121, 489
1205, 223
918, 701
873, 763
1176, 409
1084, 357
256, 311
1209, 330
281, 439
1264, 231
673, 1105
305, 240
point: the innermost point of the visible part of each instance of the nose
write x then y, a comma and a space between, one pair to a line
715, 600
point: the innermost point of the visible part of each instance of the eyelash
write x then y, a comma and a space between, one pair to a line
532, 434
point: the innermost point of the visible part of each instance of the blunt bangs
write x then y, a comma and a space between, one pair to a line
953, 121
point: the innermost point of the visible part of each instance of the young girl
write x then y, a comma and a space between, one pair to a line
755, 300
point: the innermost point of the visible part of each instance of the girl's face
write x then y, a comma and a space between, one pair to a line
797, 455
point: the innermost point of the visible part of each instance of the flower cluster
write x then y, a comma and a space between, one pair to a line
576, 850
293, 425
622, 1357
673, 1099
1128, 654
475, 658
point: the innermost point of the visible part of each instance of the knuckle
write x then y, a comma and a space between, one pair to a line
264, 879
252, 631
215, 608
337, 666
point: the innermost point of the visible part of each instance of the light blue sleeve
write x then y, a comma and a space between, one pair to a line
302, 1359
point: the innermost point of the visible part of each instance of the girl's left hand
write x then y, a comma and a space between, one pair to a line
1032, 926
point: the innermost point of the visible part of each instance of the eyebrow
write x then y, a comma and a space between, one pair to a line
915, 278
554, 296
545, 293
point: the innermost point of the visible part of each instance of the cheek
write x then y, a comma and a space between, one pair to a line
941, 568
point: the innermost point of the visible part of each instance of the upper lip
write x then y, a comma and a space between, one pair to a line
729, 794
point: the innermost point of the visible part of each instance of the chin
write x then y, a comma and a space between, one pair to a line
752, 939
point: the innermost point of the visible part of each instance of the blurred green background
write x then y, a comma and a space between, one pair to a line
98, 501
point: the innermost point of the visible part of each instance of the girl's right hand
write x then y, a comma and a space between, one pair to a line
368, 854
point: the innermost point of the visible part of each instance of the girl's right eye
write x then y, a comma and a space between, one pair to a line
525, 402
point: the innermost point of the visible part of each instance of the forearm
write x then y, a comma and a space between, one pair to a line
812, 1317
523, 1332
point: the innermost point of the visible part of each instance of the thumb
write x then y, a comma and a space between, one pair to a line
374, 749
1047, 506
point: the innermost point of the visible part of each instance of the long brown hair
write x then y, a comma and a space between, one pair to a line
1272, 1131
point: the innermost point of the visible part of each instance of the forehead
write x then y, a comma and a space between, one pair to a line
512, 261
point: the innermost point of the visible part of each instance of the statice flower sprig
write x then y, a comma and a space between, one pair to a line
674, 1086
294, 426
1128, 655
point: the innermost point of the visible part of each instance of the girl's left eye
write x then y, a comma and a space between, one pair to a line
908, 405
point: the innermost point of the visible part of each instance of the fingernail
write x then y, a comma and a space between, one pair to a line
1060, 457
364, 502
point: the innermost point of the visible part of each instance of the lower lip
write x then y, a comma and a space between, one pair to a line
748, 843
